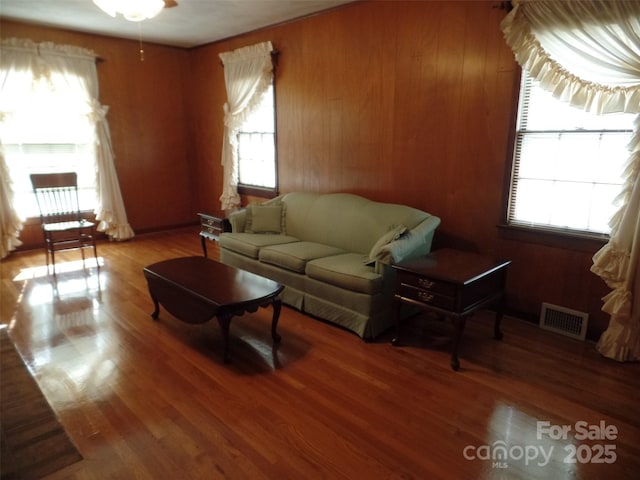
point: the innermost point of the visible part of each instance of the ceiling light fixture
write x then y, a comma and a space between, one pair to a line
132, 10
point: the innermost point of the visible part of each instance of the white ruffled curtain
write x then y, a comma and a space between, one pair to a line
248, 72
24, 62
110, 211
10, 224
587, 53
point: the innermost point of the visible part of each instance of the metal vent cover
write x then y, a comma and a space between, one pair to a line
565, 321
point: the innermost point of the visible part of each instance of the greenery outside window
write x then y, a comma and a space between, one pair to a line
567, 166
257, 160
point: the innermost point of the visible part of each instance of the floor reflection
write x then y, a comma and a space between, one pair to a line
72, 339
519, 444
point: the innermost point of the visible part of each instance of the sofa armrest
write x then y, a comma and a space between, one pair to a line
414, 243
237, 220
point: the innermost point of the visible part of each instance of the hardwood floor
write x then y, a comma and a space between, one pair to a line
153, 400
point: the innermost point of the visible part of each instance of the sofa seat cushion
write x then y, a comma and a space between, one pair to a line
346, 270
294, 256
249, 244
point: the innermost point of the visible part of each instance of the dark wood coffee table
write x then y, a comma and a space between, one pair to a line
196, 289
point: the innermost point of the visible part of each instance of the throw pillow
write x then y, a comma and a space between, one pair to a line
265, 218
394, 233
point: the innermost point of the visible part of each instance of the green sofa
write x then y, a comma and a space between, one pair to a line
332, 252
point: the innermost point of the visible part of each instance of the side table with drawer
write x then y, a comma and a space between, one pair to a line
453, 283
212, 224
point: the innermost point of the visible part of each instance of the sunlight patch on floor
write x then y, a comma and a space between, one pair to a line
61, 267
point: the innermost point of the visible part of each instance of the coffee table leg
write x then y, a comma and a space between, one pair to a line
156, 307
277, 305
224, 321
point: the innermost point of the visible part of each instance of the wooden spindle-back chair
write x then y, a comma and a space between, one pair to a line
63, 226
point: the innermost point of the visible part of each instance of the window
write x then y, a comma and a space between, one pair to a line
257, 168
50, 132
567, 164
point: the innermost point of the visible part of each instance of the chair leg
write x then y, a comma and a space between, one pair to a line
95, 253
83, 259
53, 262
46, 250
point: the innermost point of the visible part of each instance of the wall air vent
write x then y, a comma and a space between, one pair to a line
564, 321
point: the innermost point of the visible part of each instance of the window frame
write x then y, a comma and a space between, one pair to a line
256, 190
548, 235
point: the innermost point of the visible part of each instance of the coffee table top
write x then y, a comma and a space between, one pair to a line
214, 282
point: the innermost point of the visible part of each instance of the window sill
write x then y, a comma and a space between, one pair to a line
257, 191
35, 219
558, 238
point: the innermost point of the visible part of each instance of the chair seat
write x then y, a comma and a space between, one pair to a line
64, 226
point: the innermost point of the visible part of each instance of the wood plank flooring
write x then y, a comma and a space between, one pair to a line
153, 400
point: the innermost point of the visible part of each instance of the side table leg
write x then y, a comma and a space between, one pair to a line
277, 305
203, 242
224, 321
459, 323
396, 316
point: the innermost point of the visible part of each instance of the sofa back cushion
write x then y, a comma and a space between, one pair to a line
344, 220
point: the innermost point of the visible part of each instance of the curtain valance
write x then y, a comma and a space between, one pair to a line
586, 52
26, 45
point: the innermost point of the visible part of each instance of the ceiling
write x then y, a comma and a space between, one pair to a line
190, 24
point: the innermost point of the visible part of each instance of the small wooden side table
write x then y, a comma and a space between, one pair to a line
453, 283
212, 224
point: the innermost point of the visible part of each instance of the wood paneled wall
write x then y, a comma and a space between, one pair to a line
400, 101
407, 102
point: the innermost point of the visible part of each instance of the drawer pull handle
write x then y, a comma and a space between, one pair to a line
424, 283
425, 297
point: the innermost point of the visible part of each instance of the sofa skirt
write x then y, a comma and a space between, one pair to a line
365, 315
